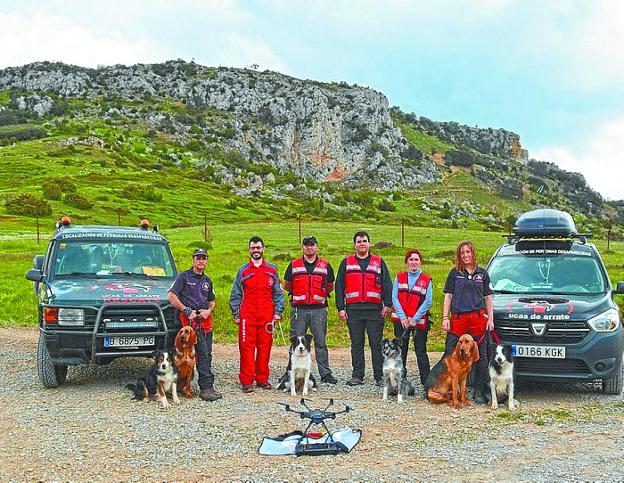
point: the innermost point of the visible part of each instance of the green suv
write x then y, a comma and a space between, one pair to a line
102, 294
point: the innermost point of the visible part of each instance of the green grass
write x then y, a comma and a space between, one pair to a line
424, 142
229, 251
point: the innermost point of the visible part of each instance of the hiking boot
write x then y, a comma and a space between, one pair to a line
247, 388
379, 383
329, 379
210, 394
264, 385
355, 381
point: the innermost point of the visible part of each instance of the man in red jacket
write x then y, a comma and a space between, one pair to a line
257, 303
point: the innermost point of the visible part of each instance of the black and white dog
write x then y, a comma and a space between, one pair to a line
161, 379
394, 382
501, 369
298, 375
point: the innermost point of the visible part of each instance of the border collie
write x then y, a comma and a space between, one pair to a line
161, 379
298, 375
394, 382
501, 369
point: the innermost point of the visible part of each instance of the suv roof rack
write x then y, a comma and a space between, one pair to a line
545, 224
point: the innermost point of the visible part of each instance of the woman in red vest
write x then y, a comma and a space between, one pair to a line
411, 299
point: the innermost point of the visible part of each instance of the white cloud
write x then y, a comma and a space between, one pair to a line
59, 38
600, 159
239, 51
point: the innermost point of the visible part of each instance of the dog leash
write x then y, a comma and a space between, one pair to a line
492, 333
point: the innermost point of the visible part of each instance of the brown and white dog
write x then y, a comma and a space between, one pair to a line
161, 379
185, 359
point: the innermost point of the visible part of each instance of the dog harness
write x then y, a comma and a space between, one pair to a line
363, 286
411, 298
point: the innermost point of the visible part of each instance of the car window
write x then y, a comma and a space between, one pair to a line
105, 258
562, 274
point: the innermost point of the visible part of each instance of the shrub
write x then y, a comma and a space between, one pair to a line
28, 205
78, 201
52, 190
386, 205
138, 191
22, 132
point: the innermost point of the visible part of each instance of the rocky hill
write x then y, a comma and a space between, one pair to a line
247, 128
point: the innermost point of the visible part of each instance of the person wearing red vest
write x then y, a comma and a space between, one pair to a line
257, 303
364, 299
411, 296
310, 280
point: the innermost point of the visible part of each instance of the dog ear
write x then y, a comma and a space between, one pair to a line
457, 350
397, 341
294, 340
193, 337
178, 343
475, 352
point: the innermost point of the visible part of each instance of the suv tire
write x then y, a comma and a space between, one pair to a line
50, 374
613, 385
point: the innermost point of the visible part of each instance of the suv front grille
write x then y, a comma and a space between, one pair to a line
551, 366
130, 319
557, 331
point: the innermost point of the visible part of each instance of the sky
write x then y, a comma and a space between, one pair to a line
551, 71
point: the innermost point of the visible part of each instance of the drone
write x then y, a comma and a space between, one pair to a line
317, 417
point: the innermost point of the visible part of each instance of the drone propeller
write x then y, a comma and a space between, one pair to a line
286, 406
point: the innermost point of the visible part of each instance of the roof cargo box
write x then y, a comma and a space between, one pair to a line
544, 222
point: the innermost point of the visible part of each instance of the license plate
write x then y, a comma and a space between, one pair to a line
137, 341
544, 351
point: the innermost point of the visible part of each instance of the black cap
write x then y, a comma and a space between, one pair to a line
200, 251
310, 240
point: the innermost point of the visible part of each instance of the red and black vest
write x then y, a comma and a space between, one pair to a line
309, 289
363, 286
412, 298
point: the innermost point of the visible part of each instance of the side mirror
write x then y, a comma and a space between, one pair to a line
34, 275
38, 262
619, 289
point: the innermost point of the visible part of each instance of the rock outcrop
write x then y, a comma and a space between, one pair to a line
320, 131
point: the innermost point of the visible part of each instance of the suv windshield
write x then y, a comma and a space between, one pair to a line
102, 258
546, 271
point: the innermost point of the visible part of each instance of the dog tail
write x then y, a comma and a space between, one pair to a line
139, 390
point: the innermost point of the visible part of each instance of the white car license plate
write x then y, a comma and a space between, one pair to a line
545, 351
123, 341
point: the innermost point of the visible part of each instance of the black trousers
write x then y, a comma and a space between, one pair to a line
480, 368
371, 323
203, 356
420, 348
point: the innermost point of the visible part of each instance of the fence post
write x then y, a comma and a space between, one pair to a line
118, 218
403, 232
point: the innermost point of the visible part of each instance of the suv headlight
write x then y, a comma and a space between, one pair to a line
606, 322
71, 317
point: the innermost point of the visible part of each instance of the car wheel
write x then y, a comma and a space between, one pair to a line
613, 385
50, 374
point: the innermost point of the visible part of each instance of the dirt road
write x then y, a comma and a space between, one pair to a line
89, 429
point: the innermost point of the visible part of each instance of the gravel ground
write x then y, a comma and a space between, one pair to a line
91, 430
